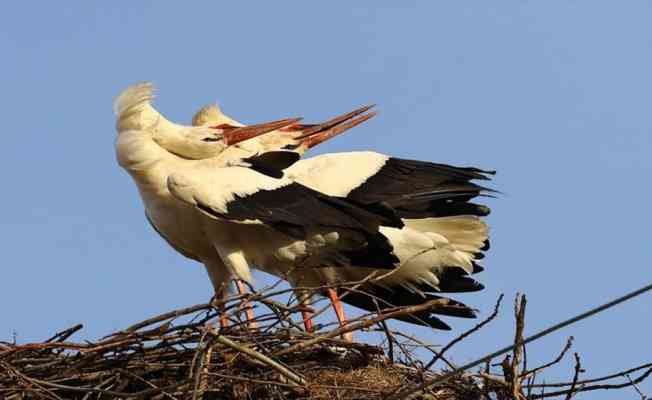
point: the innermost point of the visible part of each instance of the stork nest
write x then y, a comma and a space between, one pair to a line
182, 354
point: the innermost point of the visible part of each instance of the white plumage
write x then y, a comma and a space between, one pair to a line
188, 200
452, 241
217, 199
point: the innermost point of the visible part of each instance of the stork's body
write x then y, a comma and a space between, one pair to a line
443, 237
151, 148
228, 216
229, 208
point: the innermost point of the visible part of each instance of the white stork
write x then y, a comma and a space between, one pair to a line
223, 213
443, 237
297, 138
214, 208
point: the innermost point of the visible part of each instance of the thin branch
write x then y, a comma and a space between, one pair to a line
601, 379
636, 388
65, 334
388, 335
467, 333
569, 343
596, 387
519, 313
294, 377
578, 369
403, 393
432, 304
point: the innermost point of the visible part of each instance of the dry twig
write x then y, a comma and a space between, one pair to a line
176, 355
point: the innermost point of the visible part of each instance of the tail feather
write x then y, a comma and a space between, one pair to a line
477, 268
465, 233
373, 298
456, 280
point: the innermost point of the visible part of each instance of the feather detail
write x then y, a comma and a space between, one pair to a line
134, 110
133, 96
212, 115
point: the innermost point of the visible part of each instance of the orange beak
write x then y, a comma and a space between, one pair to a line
312, 135
234, 135
319, 137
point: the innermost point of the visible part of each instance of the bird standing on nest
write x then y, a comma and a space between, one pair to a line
223, 195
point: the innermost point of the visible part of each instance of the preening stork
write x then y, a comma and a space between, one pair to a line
227, 215
443, 238
297, 137
220, 194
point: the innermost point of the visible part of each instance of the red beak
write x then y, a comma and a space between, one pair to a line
235, 135
313, 139
312, 135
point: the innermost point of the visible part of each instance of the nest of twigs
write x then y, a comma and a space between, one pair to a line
184, 354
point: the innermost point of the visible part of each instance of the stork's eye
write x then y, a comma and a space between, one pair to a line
290, 146
211, 139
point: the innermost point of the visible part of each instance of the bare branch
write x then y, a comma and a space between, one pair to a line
467, 333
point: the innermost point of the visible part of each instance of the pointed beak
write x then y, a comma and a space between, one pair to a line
320, 133
312, 135
335, 121
237, 135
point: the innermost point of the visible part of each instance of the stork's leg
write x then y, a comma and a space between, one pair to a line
220, 277
219, 296
306, 311
251, 323
339, 311
235, 262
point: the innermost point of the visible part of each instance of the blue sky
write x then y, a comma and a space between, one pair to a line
555, 95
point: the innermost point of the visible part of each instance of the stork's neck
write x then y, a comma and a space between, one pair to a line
136, 150
141, 157
138, 117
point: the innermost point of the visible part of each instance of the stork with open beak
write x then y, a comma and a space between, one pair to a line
444, 236
231, 213
296, 137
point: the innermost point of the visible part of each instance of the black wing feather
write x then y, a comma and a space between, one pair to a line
293, 208
272, 163
399, 297
419, 189
299, 205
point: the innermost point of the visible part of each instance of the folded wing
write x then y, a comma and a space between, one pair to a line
243, 196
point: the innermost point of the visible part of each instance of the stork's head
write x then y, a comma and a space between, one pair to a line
138, 123
201, 142
295, 137
212, 115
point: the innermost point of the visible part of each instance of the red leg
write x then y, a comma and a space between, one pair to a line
219, 297
224, 321
307, 320
339, 311
306, 310
248, 309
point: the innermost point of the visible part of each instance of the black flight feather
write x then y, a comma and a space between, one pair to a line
292, 208
272, 163
419, 189
399, 296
